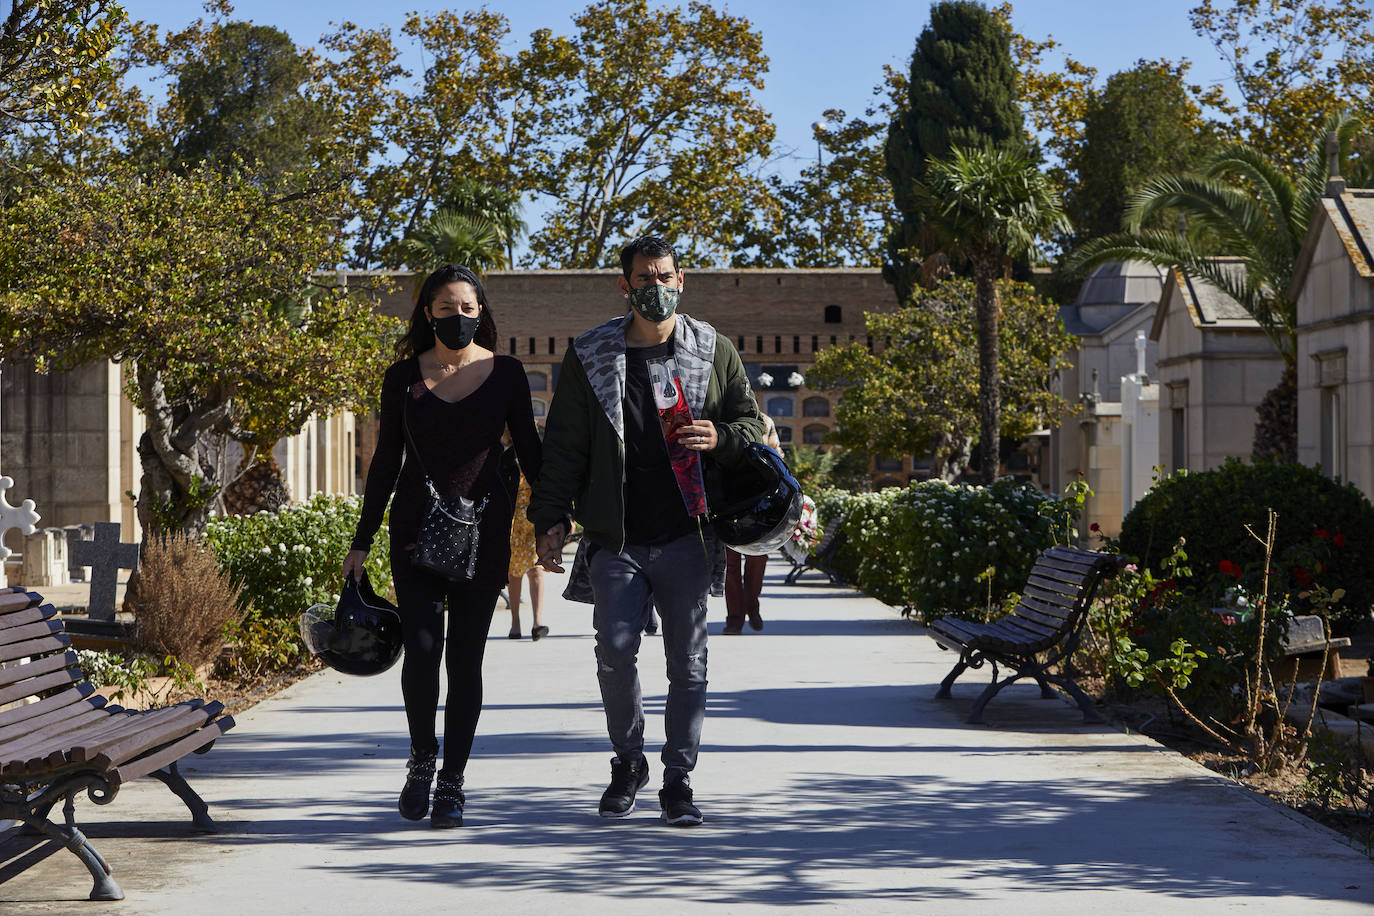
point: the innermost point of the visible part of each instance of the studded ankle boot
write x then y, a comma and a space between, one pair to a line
414, 800
448, 801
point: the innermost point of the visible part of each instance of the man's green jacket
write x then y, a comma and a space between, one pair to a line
583, 474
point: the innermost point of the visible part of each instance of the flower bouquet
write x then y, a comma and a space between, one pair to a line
805, 535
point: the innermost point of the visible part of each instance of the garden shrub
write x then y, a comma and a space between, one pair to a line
1325, 533
286, 561
181, 600
938, 548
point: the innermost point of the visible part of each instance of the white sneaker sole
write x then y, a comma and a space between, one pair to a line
626, 813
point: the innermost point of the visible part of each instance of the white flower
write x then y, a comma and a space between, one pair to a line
796, 379
765, 380
307, 581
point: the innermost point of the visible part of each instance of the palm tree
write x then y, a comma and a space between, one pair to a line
450, 237
496, 205
1242, 206
988, 206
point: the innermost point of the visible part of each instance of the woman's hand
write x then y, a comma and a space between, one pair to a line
353, 565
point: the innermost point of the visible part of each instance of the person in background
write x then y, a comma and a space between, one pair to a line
524, 563
742, 587
445, 404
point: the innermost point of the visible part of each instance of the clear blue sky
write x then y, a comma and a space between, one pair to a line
823, 53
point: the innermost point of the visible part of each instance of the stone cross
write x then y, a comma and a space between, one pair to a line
106, 556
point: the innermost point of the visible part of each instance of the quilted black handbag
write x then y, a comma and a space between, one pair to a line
449, 535
450, 531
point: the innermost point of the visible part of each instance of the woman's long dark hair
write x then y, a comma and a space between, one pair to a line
420, 336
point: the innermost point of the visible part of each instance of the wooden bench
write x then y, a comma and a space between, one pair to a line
1039, 635
58, 737
819, 557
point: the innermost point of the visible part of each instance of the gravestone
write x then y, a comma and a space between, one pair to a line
106, 556
75, 571
21, 516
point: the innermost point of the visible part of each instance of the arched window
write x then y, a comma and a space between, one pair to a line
813, 434
883, 483
816, 407
780, 407
784, 434
538, 381
538, 406
834, 314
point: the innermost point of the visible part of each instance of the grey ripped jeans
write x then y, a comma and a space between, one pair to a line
677, 577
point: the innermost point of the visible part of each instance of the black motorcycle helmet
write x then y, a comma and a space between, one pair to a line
361, 636
762, 503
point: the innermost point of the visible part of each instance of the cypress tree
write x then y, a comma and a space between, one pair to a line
962, 92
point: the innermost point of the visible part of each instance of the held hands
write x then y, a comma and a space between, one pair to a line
699, 435
549, 547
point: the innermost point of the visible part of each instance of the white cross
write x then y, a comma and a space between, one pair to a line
21, 516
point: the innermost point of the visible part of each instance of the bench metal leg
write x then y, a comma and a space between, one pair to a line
1085, 703
959, 668
200, 812
33, 812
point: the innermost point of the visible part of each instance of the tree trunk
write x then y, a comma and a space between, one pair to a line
177, 489
1276, 430
951, 457
988, 308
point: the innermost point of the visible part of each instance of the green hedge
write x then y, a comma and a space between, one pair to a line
935, 548
1325, 532
286, 561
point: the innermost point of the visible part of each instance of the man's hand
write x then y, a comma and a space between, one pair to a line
549, 547
699, 435
353, 564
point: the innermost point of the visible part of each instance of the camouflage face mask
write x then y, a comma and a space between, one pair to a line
654, 302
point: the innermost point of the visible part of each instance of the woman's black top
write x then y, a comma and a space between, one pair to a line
459, 445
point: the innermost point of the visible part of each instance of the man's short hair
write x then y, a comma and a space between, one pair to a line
650, 246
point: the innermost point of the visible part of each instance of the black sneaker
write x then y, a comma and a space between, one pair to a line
676, 801
414, 800
448, 801
626, 779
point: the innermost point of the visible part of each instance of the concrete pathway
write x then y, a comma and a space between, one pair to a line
829, 777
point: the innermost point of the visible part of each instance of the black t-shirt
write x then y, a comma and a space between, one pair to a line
654, 510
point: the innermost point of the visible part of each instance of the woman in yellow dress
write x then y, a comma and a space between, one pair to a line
524, 561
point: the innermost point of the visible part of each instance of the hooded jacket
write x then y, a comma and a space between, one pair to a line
583, 474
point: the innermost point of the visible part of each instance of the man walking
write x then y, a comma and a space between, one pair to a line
649, 409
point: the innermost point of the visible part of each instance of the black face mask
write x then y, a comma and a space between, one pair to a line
456, 331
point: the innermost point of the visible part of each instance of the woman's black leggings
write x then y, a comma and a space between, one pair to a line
420, 597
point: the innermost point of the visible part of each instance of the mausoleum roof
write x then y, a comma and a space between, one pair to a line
1109, 293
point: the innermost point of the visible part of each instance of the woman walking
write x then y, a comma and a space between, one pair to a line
444, 406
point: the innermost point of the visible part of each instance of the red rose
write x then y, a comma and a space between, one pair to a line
1320, 533
1338, 540
1228, 568
1094, 527
1303, 576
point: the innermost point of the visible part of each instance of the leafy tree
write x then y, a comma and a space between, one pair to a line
242, 97
476, 112
53, 58
203, 286
657, 130
1294, 63
1247, 218
989, 206
1143, 123
839, 210
450, 237
962, 92
920, 392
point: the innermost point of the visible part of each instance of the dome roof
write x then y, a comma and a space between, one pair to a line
1122, 283
1111, 292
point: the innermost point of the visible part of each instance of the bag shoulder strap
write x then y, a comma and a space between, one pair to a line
405, 425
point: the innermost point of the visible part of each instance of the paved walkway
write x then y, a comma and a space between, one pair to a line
829, 778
